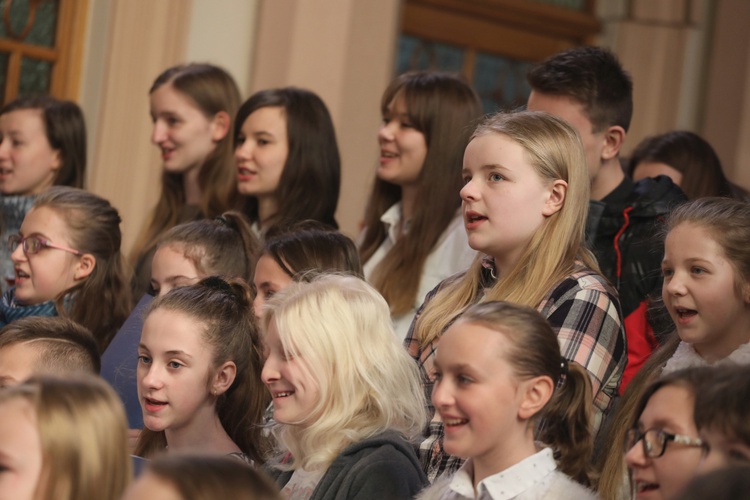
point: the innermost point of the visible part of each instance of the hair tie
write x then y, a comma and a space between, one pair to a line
564, 368
222, 220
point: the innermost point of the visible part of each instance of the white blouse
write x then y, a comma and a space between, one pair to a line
451, 254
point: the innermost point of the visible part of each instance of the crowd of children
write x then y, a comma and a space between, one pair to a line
518, 319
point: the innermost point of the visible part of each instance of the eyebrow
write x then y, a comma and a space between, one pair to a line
486, 167
178, 353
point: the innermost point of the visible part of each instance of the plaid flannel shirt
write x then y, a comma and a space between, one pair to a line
584, 311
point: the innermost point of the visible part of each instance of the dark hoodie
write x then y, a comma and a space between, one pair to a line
624, 232
381, 467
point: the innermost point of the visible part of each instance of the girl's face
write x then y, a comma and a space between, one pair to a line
294, 389
476, 392
183, 133
700, 294
171, 269
20, 450
403, 148
670, 409
269, 280
28, 164
504, 198
261, 152
45, 275
175, 371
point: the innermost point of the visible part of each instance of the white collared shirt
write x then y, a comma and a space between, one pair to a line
451, 254
534, 478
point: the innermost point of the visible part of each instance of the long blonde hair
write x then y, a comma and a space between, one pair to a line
555, 151
83, 433
341, 327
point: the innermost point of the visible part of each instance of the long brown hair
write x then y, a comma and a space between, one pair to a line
555, 151
224, 308
565, 422
212, 90
310, 181
444, 108
102, 301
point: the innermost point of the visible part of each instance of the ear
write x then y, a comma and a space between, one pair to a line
614, 137
536, 393
86, 265
556, 197
56, 161
224, 378
746, 292
221, 124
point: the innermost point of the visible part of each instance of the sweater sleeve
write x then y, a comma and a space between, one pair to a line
391, 476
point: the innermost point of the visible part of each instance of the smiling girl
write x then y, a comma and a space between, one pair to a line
42, 143
191, 108
706, 291
525, 199
287, 158
199, 364
346, 395
414, 235
498, 374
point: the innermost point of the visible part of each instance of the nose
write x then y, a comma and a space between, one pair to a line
4, 147
18, 254
243, 151
469, 192
258, 306
674, 285
387, 131
635, 457
441, 395
150, 376
270, 372
159, 132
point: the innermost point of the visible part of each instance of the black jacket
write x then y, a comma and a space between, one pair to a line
624, 230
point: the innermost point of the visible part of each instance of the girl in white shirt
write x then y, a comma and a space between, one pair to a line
414, 236
513, 406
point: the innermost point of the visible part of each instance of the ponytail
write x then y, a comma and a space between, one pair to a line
566, 423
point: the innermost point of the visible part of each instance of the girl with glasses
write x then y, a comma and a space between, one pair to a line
67, 262
663, 449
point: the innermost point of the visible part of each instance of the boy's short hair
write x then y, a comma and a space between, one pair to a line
724, 404
63, 345
591, 76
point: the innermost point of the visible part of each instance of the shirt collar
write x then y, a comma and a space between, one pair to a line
391, 218
506, 484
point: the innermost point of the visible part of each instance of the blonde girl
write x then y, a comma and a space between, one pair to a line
414, 235
199, 363
513, 406
222, 246
63, 440
346, 395
524, 202
706, 291
192, 106
42, 143
67, 262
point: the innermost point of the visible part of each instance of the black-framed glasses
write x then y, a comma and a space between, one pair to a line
33, 244
655, 441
